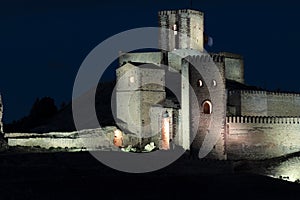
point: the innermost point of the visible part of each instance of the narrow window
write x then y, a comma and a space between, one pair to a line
200, 83
175, 29
214, 83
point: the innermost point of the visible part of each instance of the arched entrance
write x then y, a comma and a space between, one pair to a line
118, 138
207, 107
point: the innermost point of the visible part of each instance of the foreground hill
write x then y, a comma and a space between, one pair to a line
81, 176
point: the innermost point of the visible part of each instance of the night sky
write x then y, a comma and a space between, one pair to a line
43, 43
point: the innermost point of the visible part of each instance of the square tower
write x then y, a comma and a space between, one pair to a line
187, 26
139, 86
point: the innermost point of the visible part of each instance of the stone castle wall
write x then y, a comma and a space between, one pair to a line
234, 69
233, 65
90, 139
138, 88
261, 137
263, 103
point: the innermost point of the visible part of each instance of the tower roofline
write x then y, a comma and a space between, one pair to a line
190, 11
231, 55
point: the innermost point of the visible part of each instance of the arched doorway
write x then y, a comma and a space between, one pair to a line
207, 107
118, 138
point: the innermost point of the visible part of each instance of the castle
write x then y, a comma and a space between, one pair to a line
255, 124
176, 96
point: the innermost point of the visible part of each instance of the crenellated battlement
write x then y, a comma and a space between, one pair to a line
205, 58
284, 94
263, 120
168, 12
263, 93
231, 92
217, 57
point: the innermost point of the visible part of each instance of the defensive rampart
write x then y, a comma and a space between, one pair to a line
261, 137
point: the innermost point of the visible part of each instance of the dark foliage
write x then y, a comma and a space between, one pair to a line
45, 117
41, 110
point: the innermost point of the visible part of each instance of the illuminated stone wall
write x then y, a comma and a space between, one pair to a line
261, 137
156, 115
81, 140
234, 67
203, 93
248, 103
283, 104
262, 103
138, 88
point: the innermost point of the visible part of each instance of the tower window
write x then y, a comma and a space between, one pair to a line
175, 29
207, 107
200, 83
214, 83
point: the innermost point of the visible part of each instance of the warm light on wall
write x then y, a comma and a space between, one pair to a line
165, 132
118, 138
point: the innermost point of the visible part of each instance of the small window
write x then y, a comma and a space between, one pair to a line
175, 28
131, 79
214, 83
200, 83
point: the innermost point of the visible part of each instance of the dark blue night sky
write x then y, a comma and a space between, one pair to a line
43, 43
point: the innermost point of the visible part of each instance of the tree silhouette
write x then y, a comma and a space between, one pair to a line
42, 109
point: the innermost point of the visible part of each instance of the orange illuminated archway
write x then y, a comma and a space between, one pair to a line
207, 107
118, 138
